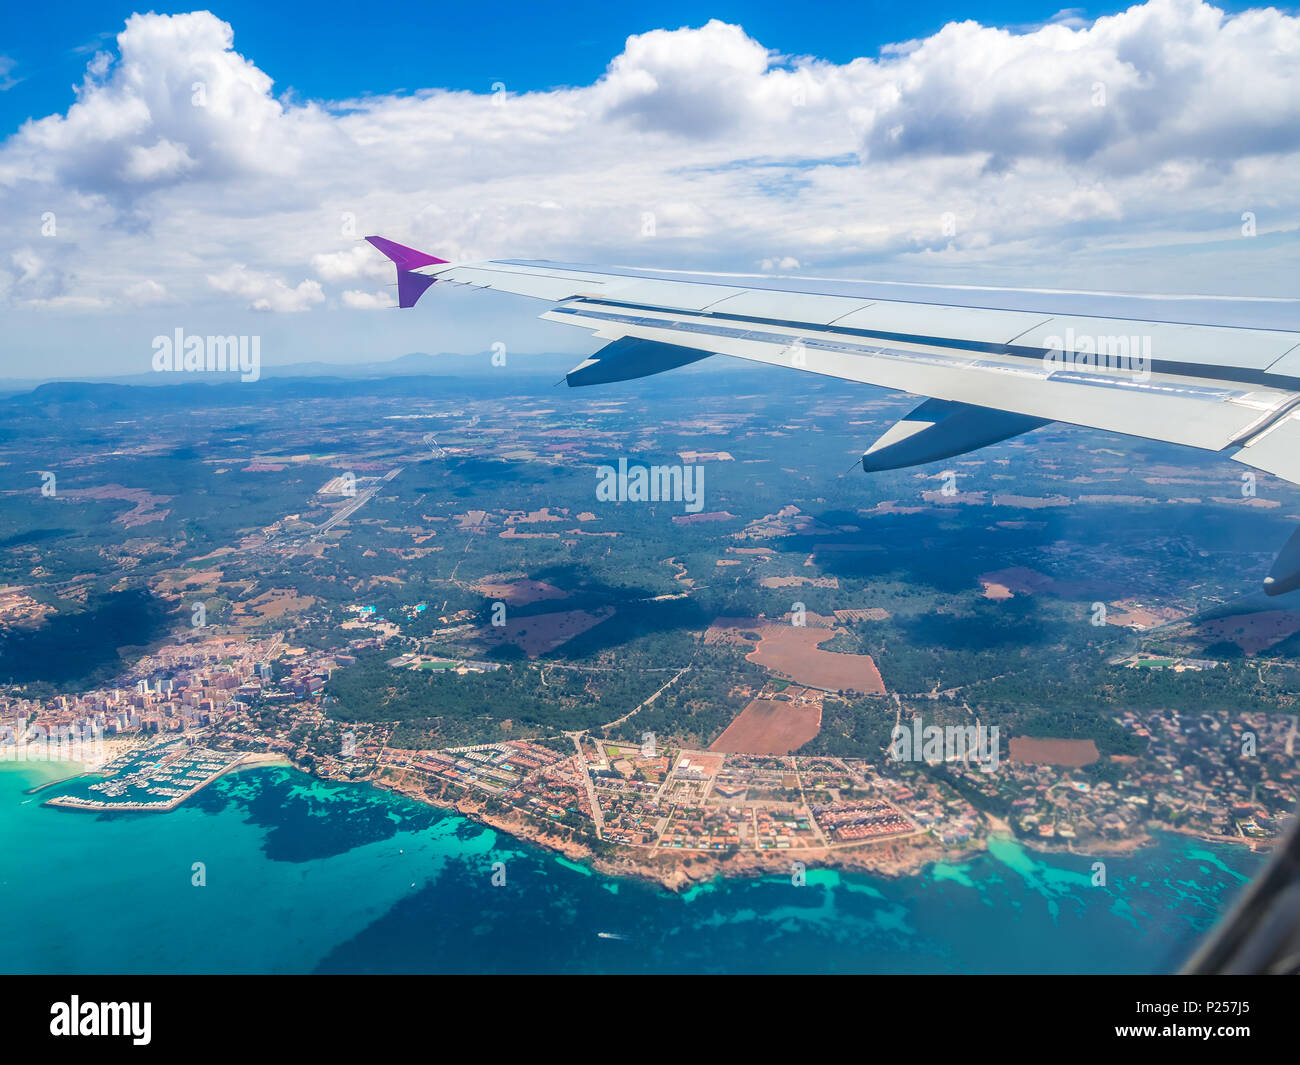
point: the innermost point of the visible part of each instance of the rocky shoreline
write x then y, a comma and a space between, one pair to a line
681, 871
678, 871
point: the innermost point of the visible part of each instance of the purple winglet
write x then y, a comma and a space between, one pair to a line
410, 286
405, 258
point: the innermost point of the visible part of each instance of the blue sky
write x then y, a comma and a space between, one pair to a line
215, 171
322, 53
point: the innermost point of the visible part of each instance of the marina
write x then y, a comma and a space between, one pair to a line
156, 778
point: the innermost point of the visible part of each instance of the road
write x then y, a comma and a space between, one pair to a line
362, 498
646, 701
596, 815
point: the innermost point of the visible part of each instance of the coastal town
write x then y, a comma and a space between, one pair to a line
194, 710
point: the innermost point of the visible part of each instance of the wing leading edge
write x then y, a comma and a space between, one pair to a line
1218, 374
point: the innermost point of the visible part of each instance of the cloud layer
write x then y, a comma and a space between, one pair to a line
1118, 153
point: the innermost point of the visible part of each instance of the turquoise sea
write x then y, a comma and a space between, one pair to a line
304, 876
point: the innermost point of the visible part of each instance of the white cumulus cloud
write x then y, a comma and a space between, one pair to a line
265, 292
367, 301
1112, 153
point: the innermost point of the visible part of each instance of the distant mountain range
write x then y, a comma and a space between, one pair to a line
549, 367
415, 364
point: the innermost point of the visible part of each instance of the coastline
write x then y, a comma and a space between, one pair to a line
681, 871
673, 870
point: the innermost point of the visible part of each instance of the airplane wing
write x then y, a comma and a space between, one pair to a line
1219, 374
